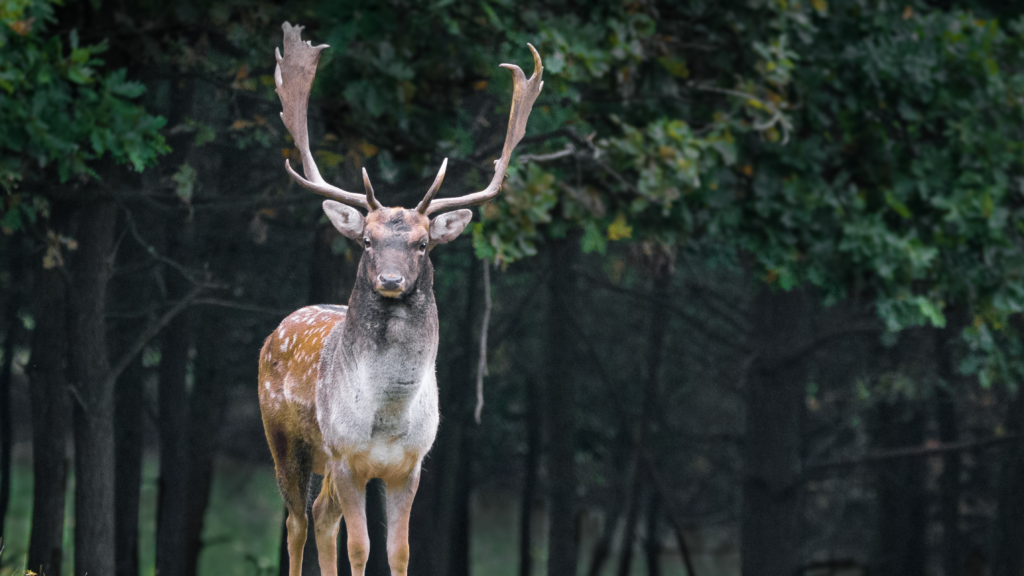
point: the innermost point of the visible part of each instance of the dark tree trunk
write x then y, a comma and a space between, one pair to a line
949, 484
902, 503
452, 451
130, 291
901, 492
423, 520
173, 412
51, 412
206, 407
128, 443
661, 279
94, 407
377, 526
770, 521
652, 543
6, 429
560, 410
451, 536
948, 360
533, 448
603, 547
1007, 553
632, 519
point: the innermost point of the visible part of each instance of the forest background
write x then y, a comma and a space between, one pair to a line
755, 280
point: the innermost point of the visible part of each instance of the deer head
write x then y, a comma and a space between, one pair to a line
396, 240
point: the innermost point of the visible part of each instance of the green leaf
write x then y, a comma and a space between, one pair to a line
897, 206
185, 181
593, 240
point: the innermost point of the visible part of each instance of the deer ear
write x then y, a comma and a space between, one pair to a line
346, 219
448, 226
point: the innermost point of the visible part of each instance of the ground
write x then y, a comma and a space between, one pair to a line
243, 523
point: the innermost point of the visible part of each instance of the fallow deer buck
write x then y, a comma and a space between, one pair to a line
350, 392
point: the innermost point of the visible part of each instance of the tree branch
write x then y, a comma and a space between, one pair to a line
882, 456
240, 306
149, 332
724, 340
481, 370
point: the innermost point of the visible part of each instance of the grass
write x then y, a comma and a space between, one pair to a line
242, 528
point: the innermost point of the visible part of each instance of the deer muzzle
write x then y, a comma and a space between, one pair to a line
390, 284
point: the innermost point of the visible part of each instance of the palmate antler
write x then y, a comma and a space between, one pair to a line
524, 94
294, 79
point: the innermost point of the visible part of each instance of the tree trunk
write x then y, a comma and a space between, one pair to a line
127, 290
603, 547
652, 542
128, 461
452, 453
533, 447
902, 504
770, 521
560, 410
1007, 553
661, 279
172, 412
94, 407
451, 537
51, 412
901, 547
949, 482
205, 413
423, 520
949, 486
6, 429
377, 526
632, 519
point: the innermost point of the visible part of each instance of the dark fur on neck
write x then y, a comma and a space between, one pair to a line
370, 313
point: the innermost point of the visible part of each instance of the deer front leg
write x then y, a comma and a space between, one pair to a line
351, 492
326, 522
400, 496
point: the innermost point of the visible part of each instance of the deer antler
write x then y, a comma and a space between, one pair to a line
524, 94
294, 79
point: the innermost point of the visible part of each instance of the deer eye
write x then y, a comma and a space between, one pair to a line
423, 246
366, 242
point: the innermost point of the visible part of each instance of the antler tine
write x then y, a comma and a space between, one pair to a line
425, 203
371, 201
524, 94
294, 80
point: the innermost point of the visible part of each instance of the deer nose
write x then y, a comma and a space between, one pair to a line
390, 281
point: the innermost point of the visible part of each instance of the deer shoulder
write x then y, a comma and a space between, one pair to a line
290, 357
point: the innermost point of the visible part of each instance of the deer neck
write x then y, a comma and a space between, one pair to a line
392, 341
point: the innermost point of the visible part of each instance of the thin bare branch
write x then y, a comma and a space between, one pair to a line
481, 370
240, 306
152, 251
151, 331
883, 456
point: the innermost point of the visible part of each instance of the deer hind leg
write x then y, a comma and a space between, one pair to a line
400, 496
351, 493
293, 465
326, 522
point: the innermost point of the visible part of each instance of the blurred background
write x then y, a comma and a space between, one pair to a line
754, 283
